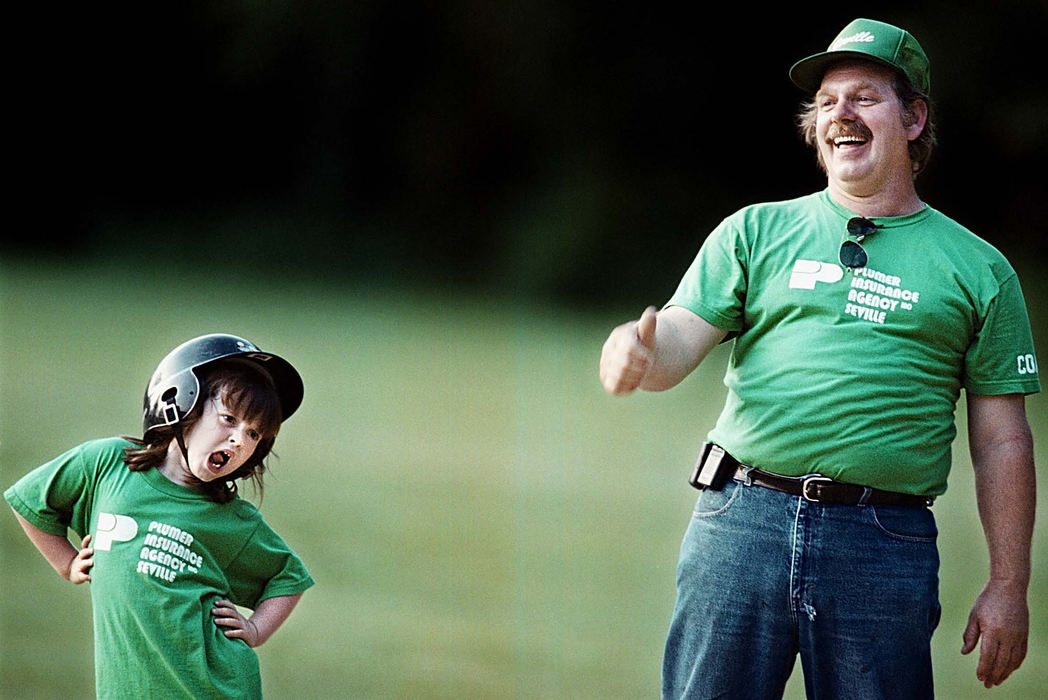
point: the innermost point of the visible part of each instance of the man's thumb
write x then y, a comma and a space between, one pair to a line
970, 638
646, 327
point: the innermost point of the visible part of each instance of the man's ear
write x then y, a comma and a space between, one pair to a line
915, 118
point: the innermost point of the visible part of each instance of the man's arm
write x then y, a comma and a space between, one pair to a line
1001, 446
657, 351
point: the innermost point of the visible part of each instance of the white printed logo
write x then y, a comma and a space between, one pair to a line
168, 553
113, 528
872, 295
857, 38
1027, 364
807, 272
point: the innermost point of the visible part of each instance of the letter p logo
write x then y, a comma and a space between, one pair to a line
807, 272
113, 528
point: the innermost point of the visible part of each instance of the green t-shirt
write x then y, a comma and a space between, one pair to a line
856, 375
164, 553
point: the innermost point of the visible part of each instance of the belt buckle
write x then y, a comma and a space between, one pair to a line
813, 479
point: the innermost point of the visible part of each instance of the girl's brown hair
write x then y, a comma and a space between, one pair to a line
248, 393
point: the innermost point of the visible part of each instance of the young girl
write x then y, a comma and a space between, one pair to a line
169, 547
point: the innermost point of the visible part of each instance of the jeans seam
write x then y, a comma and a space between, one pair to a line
794, 593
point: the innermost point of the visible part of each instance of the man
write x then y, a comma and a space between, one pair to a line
857, 314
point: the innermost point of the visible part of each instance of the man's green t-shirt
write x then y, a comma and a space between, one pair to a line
164, 553
856, 374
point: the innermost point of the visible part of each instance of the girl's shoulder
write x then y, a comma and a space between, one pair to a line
107, 445
102, 453
95, 455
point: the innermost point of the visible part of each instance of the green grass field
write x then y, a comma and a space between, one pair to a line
482, 520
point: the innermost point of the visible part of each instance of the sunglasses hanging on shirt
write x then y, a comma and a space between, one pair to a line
852, 255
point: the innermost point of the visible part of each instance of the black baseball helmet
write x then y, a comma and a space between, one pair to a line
174, 388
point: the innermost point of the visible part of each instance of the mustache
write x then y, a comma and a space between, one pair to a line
849, 129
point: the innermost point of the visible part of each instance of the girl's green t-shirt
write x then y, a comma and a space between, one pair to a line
855, 375
164, 553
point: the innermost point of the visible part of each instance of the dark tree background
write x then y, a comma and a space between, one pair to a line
569, 149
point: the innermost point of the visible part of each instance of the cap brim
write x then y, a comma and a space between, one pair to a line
807, 73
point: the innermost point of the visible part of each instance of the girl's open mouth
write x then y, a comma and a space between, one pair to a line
219, 459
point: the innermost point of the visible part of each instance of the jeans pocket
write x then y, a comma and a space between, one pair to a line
711, 503
905, 523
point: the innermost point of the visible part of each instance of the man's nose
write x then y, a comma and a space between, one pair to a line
843, 111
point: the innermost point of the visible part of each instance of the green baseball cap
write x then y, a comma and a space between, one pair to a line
869, 40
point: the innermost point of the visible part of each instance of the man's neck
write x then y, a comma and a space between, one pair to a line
885, 201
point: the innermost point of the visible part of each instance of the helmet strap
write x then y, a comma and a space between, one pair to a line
180, 439
172, 418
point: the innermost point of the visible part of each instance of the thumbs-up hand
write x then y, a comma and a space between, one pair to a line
628, 354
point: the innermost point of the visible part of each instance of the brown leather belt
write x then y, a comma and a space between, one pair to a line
822, 489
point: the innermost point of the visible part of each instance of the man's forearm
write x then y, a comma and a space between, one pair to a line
1007, 495
683, 340
1005, 482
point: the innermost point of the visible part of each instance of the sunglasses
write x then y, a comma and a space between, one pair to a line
852, 254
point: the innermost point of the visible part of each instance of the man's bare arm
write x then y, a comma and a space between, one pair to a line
657, 351
1001, 446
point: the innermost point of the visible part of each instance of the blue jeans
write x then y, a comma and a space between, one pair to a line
764, 576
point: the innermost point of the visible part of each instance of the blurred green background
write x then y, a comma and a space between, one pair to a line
437, 211
482, 520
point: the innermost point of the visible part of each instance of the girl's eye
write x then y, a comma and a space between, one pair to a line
253, 434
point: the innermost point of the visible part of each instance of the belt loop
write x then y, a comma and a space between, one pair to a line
745, 470
866, 491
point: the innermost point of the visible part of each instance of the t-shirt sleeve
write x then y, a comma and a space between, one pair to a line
714, 286
266, 568
1001, 357
52, 496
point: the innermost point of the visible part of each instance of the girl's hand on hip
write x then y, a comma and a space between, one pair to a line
240, 627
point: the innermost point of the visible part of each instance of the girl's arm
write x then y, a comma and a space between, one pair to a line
267, 618
70, 563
